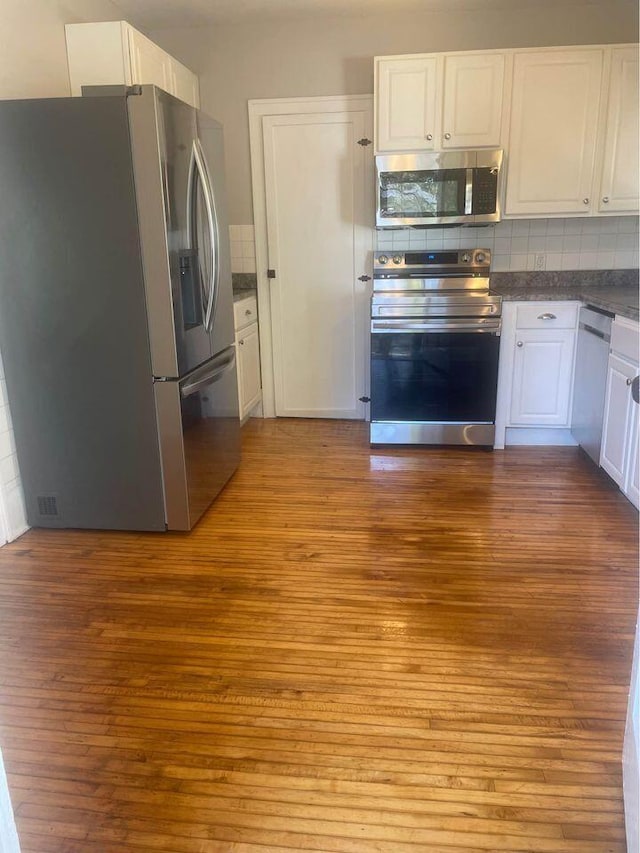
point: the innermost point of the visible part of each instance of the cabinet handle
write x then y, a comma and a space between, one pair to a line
547, 316
606, 200
447, 136
429, 136
585, 201
519, 344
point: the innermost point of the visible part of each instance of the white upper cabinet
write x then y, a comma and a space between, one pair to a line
554, 123
149, 63
184, 84
620, 176
114, 53
439, 101
568, 119
472, 106
406, 103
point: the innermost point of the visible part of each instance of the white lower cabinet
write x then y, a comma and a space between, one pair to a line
247, 354
248, 351
542, 377
535, 382
619, 454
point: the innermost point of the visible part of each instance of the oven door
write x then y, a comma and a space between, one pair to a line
445, 373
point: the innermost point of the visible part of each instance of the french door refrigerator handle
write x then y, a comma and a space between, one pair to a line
191, 215
212, 218
202, 377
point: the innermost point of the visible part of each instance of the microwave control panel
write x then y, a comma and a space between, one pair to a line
485, 190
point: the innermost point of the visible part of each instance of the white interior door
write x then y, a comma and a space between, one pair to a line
319, 234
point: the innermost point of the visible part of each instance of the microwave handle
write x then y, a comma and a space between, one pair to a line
468, 193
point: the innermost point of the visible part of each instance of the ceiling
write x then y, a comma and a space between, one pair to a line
153, 14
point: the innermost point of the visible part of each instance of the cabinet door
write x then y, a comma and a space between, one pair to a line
248, 351
406, 104
554, 118
149, 63
542, 375
632, 479
617, 418
620, 174
184, 84
472, 114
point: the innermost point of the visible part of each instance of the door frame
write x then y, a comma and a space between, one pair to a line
258, 109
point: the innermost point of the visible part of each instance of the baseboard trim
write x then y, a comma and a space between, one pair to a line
548, 436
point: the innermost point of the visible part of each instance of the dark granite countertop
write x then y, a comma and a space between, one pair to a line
244, 284
239, 295
612, 290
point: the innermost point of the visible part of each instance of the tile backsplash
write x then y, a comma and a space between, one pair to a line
534, 244
243, 248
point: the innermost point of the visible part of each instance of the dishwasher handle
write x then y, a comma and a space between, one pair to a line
585, 327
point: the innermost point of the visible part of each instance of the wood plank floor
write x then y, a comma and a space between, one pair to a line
356, 650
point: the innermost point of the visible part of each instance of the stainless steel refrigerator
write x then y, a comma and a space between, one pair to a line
116, 308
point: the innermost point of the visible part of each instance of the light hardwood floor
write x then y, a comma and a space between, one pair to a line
356, 650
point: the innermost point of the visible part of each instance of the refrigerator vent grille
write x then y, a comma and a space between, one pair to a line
47, 505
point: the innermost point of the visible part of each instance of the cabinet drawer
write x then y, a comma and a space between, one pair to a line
547, 315
624, 339
245, 311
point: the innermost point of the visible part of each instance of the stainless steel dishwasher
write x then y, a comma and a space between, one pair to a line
592, 355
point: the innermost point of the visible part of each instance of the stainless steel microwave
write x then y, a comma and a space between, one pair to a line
438, 188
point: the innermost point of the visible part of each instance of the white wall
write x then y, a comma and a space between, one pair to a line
333, 56
631, 752
33, 58
33, 63
8, 835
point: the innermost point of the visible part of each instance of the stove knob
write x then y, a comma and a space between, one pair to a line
397, 259
480, 257
466, 258
382, 259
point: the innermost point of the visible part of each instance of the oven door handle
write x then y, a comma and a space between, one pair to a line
387, 327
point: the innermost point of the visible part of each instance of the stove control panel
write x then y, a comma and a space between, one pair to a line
463, 262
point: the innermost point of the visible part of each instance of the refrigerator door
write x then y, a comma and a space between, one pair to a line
73, 315
210, 144
177, 230
199, 432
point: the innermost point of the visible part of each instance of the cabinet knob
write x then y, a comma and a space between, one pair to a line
519, 344
605, 200
447, 136
247, 313
241, 343
429, 136
585, 201
629, 381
